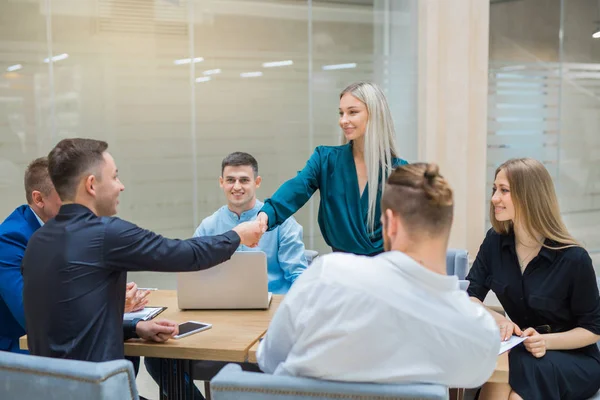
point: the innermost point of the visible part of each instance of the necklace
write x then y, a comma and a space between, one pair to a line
522, 261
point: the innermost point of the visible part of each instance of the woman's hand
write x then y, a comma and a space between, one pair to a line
535, 343
263, 219
507, 329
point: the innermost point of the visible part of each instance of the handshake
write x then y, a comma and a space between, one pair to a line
250, 232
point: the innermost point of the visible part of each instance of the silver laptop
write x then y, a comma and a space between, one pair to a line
239, 283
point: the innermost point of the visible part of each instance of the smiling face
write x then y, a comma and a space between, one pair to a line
108, 188
353, 117
504, 209
239, 185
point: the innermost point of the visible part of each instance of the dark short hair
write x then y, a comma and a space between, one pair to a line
69, 160
37, 178
240, 159
421, 197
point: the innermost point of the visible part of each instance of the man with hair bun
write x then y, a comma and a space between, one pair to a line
393, 318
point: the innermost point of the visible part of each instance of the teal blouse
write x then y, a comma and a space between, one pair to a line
342, 210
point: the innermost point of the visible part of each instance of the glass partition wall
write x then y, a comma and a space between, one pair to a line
544, 101
176, 85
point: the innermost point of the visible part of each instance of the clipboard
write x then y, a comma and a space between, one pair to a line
145, 314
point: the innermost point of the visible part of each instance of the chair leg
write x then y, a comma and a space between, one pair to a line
457, 394
207, 395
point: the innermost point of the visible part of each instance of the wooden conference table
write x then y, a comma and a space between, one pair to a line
233, 334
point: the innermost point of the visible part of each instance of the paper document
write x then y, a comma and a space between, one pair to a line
510, 343
145, 314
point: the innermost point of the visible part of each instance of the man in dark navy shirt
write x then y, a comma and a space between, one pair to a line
74, 268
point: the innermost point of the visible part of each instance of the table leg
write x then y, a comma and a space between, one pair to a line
161, 381
181, 379
207, 395
191, 387
170, 380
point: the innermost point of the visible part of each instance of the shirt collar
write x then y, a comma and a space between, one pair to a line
37, 217
550, 254
74, 208
246, 215
413, 268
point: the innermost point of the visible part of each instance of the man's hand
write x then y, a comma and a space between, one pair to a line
507, 329
135, 299
535, 343
263, 219
250, 233
157, 330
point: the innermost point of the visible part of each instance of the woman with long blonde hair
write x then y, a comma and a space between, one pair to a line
547, 285
350, 177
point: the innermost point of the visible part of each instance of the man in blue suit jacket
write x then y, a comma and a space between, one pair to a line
43, 203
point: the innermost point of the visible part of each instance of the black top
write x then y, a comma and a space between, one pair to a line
74, 273
558, 287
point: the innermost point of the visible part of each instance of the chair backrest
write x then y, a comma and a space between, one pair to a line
457, 263
598, 283
31, 377
310, 255
231, 383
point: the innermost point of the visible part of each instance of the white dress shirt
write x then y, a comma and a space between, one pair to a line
381, 319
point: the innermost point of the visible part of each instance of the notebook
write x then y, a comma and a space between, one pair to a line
510, 343
144, 314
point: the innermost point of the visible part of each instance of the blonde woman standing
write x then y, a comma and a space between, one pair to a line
547, 285
350, 177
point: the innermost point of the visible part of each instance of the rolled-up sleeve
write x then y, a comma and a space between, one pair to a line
585, 300
479, 273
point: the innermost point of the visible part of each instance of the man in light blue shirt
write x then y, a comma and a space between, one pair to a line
283, 245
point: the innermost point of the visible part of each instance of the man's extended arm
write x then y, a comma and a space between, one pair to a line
128, 247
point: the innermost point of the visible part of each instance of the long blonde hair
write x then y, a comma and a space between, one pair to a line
380, 141
534, 198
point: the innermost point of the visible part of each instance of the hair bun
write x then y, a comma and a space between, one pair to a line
431, 172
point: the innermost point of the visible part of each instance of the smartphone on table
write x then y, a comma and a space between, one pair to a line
190, 327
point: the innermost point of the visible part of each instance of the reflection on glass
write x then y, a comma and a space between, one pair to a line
175, 86
543, 102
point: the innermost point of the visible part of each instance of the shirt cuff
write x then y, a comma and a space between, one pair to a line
233, 237
270, 211
129, 327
